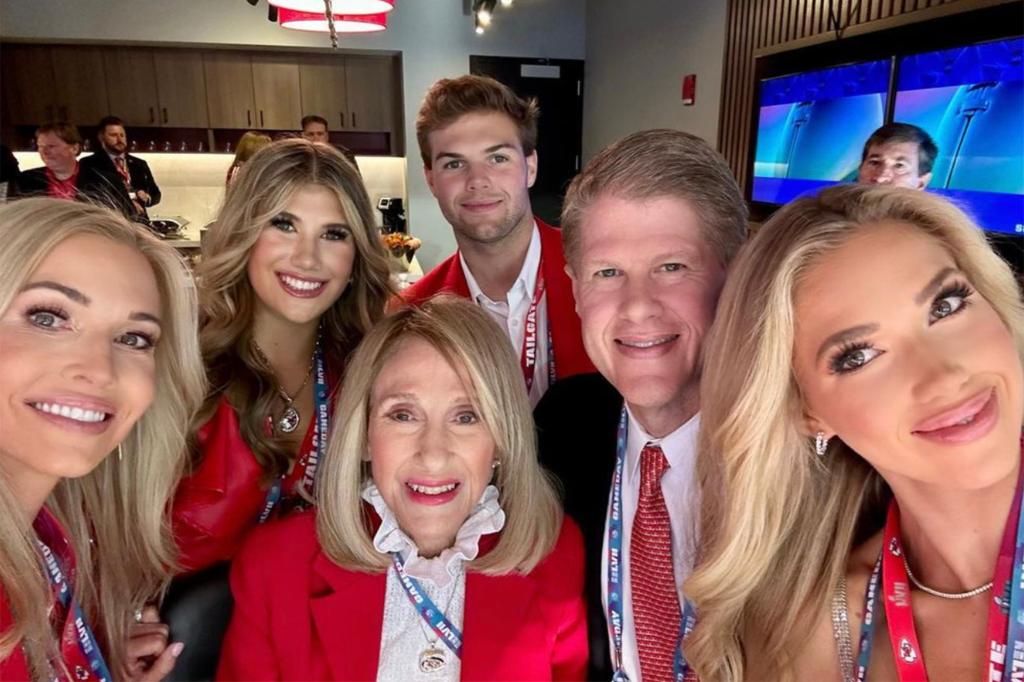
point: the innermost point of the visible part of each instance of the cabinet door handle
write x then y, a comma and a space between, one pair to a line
165, 114
354, 124
248, 116
64, 114
261, 118
341, 116
152, 115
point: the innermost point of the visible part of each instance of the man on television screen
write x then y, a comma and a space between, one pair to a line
898, 154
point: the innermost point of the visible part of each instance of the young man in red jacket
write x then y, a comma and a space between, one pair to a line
478, 142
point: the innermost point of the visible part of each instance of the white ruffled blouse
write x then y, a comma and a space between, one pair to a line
405, 636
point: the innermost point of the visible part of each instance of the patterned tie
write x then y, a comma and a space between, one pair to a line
656, 613
122, 168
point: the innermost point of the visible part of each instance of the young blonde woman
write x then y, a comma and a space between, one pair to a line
250, 143
99, 375
293, 273
861, 450
438, 550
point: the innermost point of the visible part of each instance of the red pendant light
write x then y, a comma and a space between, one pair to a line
338, 6
343, 23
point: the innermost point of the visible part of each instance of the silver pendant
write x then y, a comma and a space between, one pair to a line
289, 420
432, 659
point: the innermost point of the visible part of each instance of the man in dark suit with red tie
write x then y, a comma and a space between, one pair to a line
478, 143
113, 160
648, 228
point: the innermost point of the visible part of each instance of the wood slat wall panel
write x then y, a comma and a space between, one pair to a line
754, 25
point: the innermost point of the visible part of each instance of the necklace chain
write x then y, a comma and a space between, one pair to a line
945, 595
288, 398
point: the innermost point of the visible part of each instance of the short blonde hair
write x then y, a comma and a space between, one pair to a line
123, 504
472, 341
778, 522
659, 163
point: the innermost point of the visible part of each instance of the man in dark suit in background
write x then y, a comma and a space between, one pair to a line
113, 160
648, 228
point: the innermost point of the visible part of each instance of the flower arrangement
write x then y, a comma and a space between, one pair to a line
400, 244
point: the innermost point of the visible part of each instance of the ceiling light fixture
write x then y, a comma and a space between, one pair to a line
338, 6
343, 23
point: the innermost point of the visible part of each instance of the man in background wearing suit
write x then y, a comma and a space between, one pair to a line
648, 229
113, 160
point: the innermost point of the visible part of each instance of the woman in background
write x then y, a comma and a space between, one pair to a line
293, 274
250, 143
438, 549
861, 444
99, 374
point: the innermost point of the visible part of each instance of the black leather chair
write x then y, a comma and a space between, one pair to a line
197, 609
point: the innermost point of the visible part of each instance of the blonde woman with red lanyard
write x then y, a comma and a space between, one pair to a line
99, 371
293, 274
861, 450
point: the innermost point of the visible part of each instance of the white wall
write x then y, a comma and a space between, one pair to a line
434, 37
637, 54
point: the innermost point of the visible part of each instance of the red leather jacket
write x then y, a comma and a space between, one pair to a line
215, 508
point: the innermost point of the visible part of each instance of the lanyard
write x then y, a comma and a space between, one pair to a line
528, 355
319, 444
614, 574
86, 660
439, 623
1006, 618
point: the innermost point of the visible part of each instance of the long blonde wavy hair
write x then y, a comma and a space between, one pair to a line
468, 339
123, 504
779, 523
263, 188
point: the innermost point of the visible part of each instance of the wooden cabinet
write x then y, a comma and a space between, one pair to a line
229, 93
275, 81
131, 85
28, 88
181, 88
81, 85
322, 83
371, 93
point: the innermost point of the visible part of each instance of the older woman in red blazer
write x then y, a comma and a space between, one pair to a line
438, 550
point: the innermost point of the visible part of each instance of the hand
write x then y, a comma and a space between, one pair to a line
150, 659
137, 207
143, 196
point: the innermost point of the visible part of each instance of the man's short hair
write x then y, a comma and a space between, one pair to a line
661, 163
905, 132
65, 131
313, 118
108, 121
450, 98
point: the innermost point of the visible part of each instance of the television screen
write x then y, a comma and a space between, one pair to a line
971, 101
812, 126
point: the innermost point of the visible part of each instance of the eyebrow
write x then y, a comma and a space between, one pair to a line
74, 294
933, 285
296, 219
845, 336
489, 150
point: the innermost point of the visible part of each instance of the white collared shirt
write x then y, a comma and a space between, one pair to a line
679, 487
510, 314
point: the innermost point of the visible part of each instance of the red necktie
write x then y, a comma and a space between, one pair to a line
122, 168
656, 613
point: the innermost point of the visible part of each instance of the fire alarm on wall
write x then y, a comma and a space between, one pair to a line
689, 89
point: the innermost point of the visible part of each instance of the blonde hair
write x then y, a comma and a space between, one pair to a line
227, 300
469, 340
250, 143
778, 522
661, 163
123, 503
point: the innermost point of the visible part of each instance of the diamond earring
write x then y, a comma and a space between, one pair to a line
820, 443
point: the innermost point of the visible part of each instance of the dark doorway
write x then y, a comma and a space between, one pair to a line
558, 86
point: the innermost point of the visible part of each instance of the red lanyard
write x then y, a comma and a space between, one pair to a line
121, 164
906, 648
528, 356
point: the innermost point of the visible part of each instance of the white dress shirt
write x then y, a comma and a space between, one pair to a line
510, 314
679, 486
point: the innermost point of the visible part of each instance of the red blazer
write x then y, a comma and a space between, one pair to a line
570, 357
300, 616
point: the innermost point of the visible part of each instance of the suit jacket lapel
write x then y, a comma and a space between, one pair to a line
496, 609
348, 619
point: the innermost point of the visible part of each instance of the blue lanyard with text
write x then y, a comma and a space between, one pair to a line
428, 611
614, 577
86, 639
321, 410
